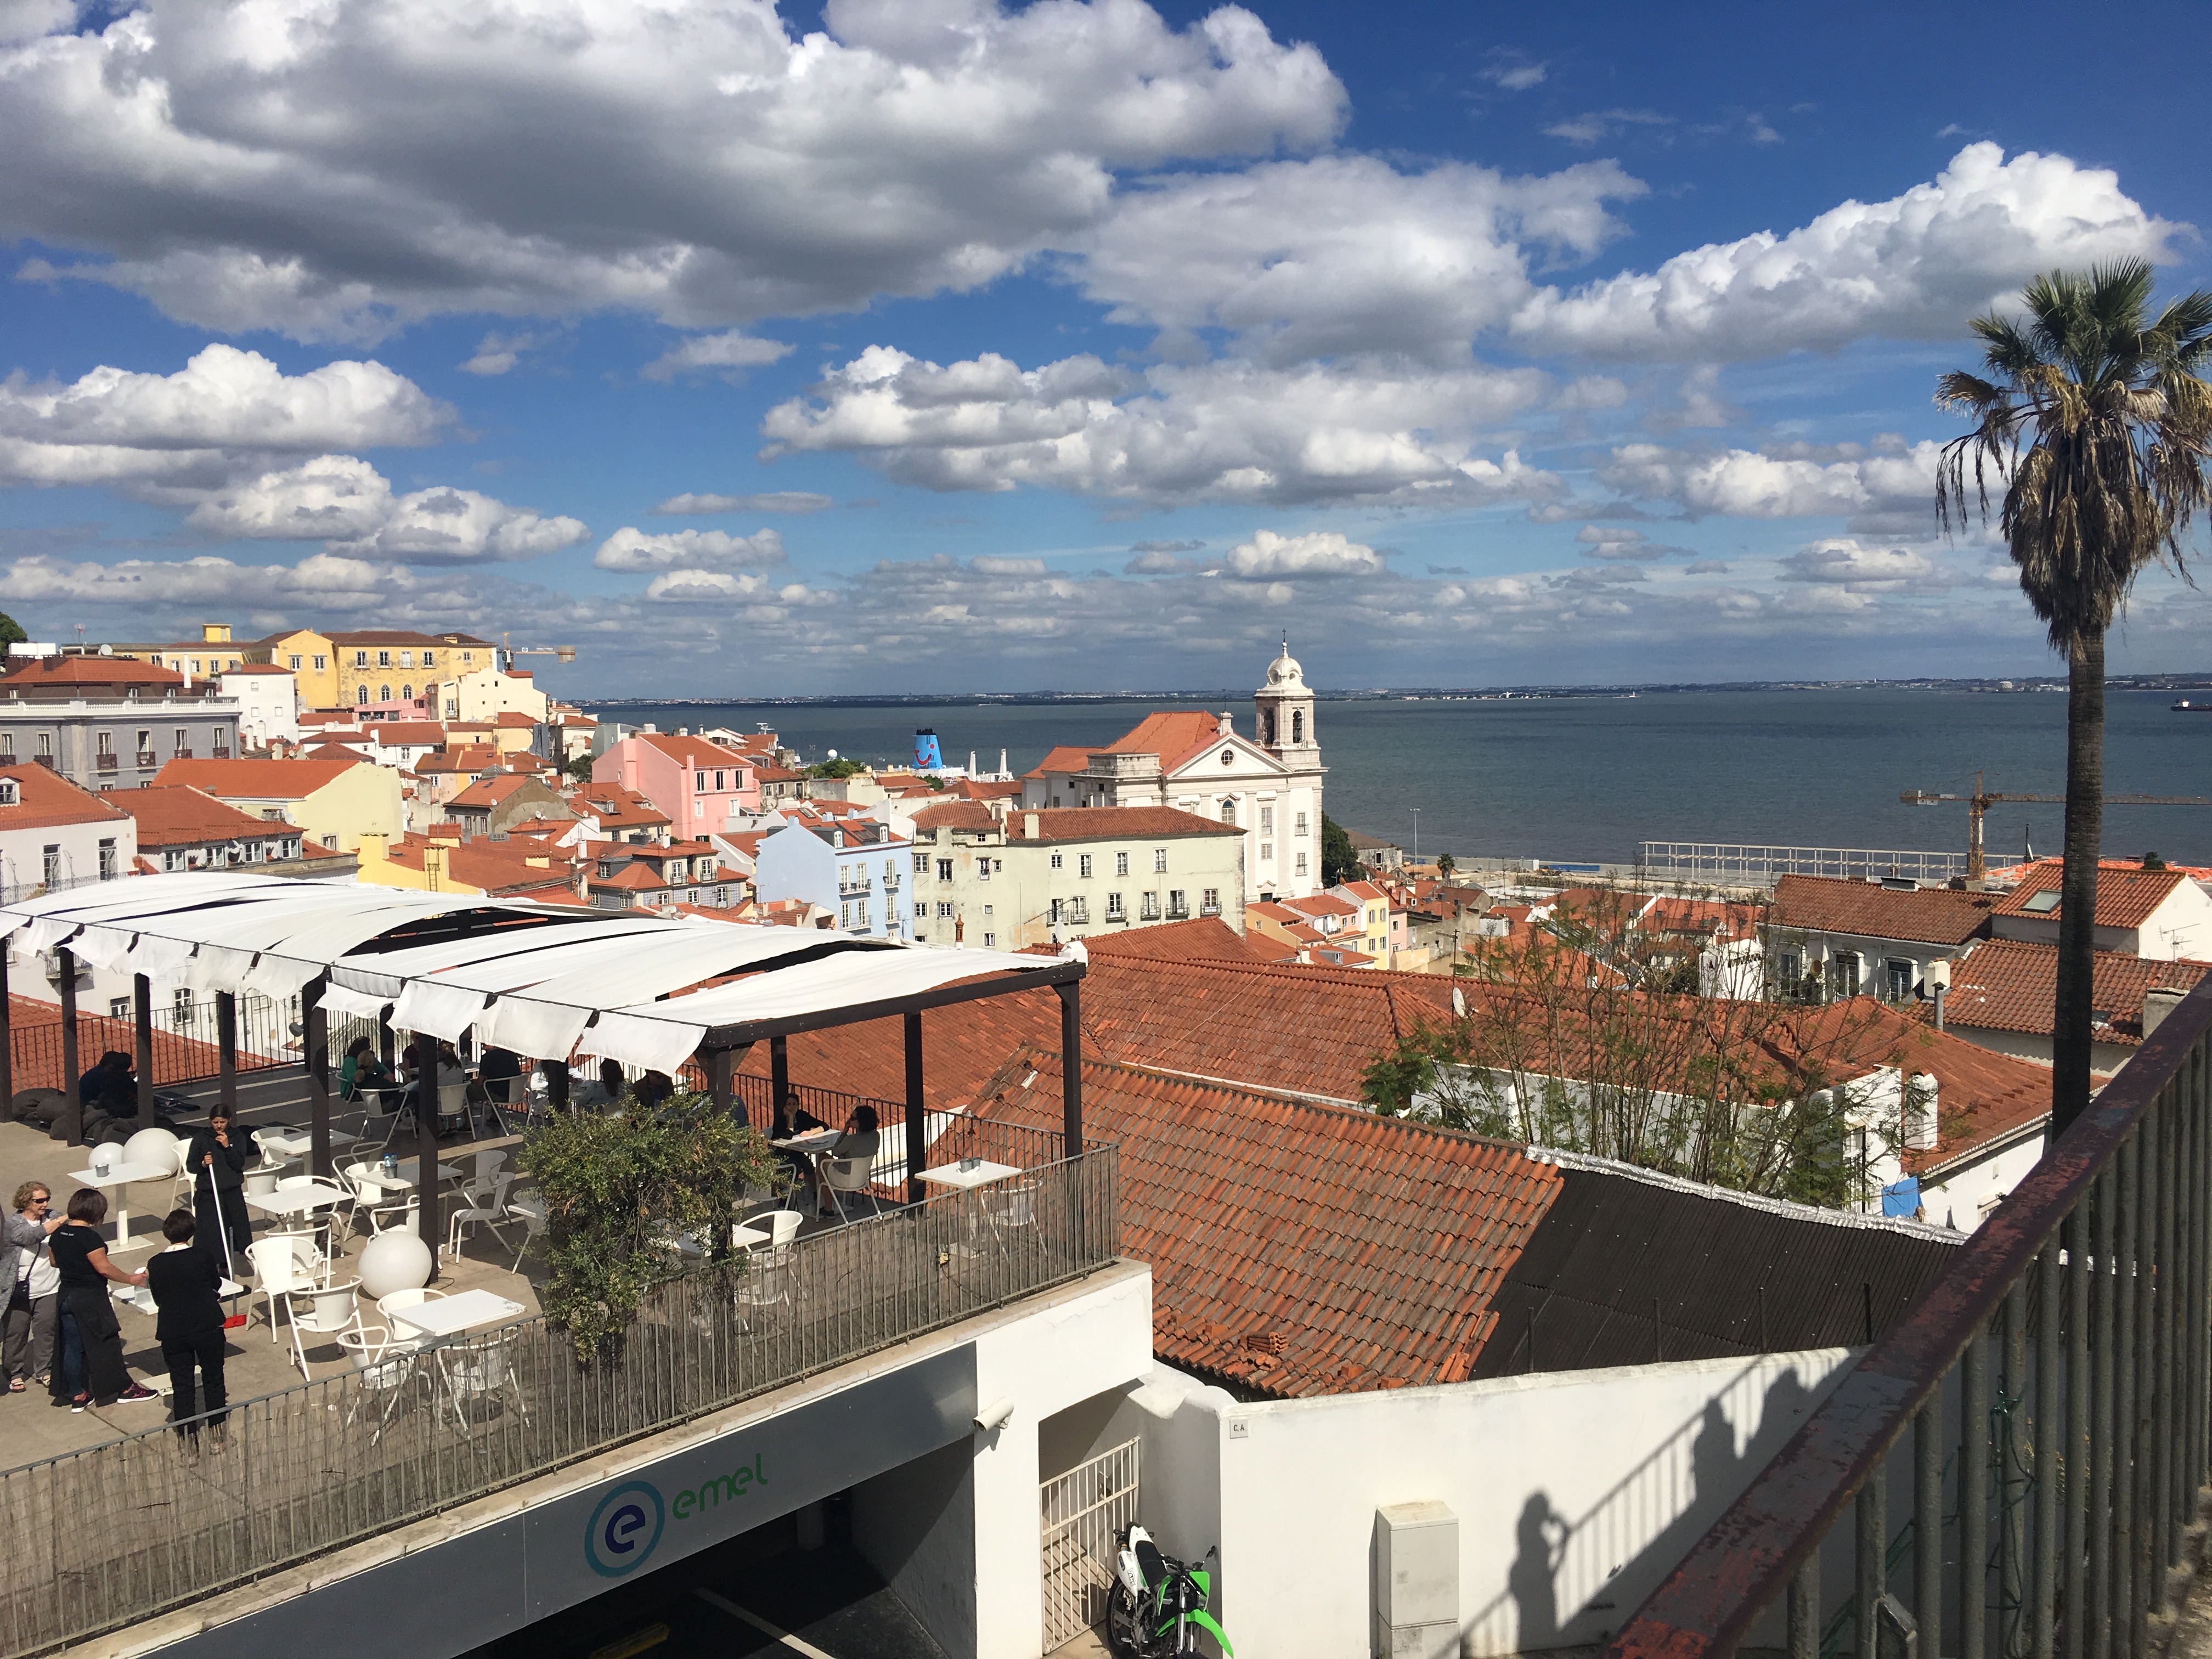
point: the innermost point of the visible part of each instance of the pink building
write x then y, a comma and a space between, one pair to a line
704, 787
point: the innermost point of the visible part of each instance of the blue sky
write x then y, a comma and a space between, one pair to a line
915, 345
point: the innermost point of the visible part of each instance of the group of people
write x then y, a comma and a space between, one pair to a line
364, 1076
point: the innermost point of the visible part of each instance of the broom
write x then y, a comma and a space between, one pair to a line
237, 1320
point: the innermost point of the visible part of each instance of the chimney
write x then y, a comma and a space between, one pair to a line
1935, 980
1003, 772
372, 848
1226, 723
1030, 825
2158, 1002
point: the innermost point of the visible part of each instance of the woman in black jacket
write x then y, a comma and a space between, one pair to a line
188, 1324
216, 1160
90, 1370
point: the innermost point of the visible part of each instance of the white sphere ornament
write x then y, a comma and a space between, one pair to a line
395, 1260
105, 1157
155, 1146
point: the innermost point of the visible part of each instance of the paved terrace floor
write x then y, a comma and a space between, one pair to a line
32, 1429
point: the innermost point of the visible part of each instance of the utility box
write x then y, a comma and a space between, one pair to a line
1416, 1581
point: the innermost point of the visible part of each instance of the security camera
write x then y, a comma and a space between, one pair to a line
994, 1416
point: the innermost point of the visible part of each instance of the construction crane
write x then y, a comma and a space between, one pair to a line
567, 654
1982, 800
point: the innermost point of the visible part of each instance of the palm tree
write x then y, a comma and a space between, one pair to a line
2096, 419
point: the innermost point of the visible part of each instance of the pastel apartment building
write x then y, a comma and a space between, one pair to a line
852, 867
705, 787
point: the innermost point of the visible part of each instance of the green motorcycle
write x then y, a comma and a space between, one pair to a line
1158, 1604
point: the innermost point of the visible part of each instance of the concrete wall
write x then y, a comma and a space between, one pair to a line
1575, 1492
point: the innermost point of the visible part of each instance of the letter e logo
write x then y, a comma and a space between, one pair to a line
623, 1531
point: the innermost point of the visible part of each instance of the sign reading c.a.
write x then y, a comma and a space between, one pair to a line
624, 1529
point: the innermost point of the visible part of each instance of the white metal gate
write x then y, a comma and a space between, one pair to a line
1082, 1510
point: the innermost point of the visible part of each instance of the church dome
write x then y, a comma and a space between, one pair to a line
1284, 672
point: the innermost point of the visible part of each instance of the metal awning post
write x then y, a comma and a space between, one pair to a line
316, 1039
779, 1076
722, 1077
426, 1227
916, 1110
7, 1034
226, 1049
1071, 1068
141, 1009
73, 1102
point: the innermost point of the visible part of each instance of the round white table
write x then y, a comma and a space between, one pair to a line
120, 1176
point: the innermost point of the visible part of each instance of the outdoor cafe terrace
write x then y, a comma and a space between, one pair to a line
961, 1216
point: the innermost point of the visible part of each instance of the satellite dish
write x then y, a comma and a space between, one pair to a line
833, 754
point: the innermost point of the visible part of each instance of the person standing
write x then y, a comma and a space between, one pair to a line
33, 1284
90, 1370
217, 1159
187, 1288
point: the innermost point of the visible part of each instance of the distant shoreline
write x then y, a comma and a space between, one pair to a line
2201, 680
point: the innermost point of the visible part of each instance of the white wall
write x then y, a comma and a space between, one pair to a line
1957, 1200
1576, 1492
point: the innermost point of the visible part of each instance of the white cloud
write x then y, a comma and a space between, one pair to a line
322, 580
350, 165
730, 351
1515, 77
773, 501
1589, 129
1843, 562
1598, 541
992, 564
1230, 431
344, 502
678, 586
1871, 489
114, 425
1323, 553
1913, 267
497, 354
688, 551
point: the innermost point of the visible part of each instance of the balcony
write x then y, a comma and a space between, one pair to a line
182, 754
147, 759
48, 762
106, 763
853, 886
220, 751
1209, 909
2062, 1355
1179, 911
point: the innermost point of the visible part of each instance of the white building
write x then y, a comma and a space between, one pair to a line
854, 867
268, 699
485, 694
2161, 915
1269, 786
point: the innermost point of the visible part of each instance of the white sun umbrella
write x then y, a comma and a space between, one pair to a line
46, 922
447, 1001
108, 931
385, 973
547, 1017
228, 937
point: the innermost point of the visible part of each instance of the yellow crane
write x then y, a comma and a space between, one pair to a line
1982, 800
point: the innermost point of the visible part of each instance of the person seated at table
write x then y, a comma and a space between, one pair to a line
608, 1091
361, 1070
653, 1088
861, 1138
556, 1083
110, 1087
789, 1120
449, 1073
497, 1069
187, 1287
217, 1162
90, 1370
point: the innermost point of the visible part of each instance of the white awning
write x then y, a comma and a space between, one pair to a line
358, 1004
658, 1045
385, 972
837, 981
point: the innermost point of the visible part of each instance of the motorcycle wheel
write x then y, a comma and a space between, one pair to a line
1121, 1624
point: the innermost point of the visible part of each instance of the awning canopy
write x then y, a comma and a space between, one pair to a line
537, 979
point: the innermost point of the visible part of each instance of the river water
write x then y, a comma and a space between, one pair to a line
1576, 779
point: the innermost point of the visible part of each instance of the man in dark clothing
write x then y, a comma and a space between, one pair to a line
216, 1162
188, 1324
110, 1087
497, 1070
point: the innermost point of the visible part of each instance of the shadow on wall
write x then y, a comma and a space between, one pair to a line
1573, 1581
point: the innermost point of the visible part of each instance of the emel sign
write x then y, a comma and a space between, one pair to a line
624, 1529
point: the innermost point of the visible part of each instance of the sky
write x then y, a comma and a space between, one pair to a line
937, 346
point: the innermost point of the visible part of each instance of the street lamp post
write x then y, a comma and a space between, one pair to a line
1417, 835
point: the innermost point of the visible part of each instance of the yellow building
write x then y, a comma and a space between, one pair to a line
312, 658
383, 666
214, 652
332, 802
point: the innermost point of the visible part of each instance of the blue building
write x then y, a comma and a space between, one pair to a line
853, 867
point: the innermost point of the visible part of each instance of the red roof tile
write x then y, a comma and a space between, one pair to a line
2126, 893
87, 670
258, 779
2012, 985
1930, 915
177, 815
1299, 1249
45, 798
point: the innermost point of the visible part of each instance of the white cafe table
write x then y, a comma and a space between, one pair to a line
814, 1140
450, 1316
294, 1200
297, 1143
120, 1176
141, 1297
966, 1180
405, 1176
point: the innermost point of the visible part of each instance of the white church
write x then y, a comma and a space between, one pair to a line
1269, 784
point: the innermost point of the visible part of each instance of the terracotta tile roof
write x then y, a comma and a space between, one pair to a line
407, 733
693, 752
488, 791
2012, 985
257, 668
330, 751
491, 867
514, 717
176, 815
392, 636
87, 670
45, 798
983, 789
1062, 759
1930, 915
1113, 823
610, 803
1199, 939
1175, 735
1299, 1249
777, 774
1339, 956
955, 815
258, 779
2126, 893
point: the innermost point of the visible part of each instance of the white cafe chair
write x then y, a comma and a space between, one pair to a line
849, 1174
279, 1271
531, 1222
767, 1283
386, 1362
1010, 1212
774, 1230
476, 1373
327, 1310
393, 1302
485, 1203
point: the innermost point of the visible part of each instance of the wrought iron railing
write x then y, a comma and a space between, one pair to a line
185, 1046
106, 1537
2045, 1414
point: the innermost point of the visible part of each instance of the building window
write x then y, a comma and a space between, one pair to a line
719, 784
118, 1008
1083, 865
184, 740
51, 864
1301, 864
384, 659
45, 744
1078, 910
989, 939
1229, 757
106, 749
383, 694
861, 915
845, 917
921, 863
1059, 861
1844, 974
1114, 912
361, 659
322, 664
407, 660
1266, 852
1301, 823
1159, 861
429, 660
721, 898
107, 858
944, 909
1229, 810
1266, 820
1210, 901
7, 747
701, 786
1897, 972
294, 662
1120, 864
1178, 904
1148, 907
1059, 912
468, 656
982, 869
360, 695
944, 869
1298, 725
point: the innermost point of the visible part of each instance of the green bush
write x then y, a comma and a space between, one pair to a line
612, 1183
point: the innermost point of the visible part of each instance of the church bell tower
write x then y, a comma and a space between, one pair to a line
1283, 713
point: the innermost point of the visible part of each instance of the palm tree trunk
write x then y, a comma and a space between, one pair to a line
2070, 1028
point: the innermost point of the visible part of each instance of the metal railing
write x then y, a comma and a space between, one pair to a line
118, 1532
2045, 1410
185, 1048
1742, 863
